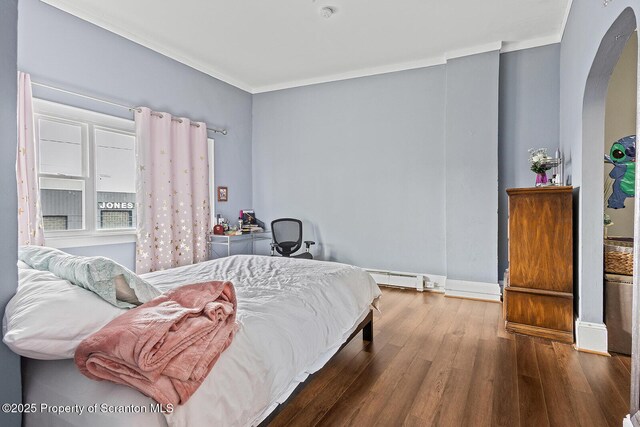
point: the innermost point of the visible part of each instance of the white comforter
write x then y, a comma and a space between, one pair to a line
293, 316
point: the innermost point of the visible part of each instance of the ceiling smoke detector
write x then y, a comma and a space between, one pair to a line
327, 12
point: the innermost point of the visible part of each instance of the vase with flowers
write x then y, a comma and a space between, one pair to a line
538, 159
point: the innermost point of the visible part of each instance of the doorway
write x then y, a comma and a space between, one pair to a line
619, 179
591, 236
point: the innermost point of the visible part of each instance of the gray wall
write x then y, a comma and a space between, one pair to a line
123, 254
10, 391
373, 149
62, 50
587, 24
361, 162
529, 118
471, 173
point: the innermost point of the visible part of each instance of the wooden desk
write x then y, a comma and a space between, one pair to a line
225, 242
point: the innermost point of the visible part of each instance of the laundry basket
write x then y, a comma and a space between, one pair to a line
618, 255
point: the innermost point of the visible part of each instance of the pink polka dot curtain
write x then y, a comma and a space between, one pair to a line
172, 191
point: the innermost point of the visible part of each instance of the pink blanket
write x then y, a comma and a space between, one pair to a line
166, 347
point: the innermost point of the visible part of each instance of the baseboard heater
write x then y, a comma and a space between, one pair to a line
402, 280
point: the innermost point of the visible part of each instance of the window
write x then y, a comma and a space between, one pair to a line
87, 175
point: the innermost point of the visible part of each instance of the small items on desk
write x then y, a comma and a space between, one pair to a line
247, 223
251, 228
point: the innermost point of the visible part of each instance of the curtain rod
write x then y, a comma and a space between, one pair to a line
115, 104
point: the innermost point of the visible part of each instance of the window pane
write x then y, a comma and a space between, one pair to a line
62, 203
55, 222
115, 162
116, 210
60, 148
116, 219
116, 179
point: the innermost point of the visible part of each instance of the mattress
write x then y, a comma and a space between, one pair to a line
293, 316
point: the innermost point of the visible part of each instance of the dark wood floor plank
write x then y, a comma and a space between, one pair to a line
490, 321
478, 409
625, 360
466, 355
300, 406
428, 400
348, 406
389, 379
433, 341
526, 356
390, 383
587, 410
559, 409
619, 375
317, 383
329, 395
394, 408
418, 317
501, 331
533, 411
570, 368
412, 421
598, 371
452, 408
584, 405
506, 409
447, 361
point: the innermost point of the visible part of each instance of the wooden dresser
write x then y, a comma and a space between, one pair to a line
538, 293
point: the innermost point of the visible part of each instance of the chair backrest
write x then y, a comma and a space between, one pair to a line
287, 235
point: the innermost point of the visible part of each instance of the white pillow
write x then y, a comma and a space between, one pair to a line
48, 317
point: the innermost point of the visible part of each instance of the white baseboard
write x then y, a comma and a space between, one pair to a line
475, 290
438, 282
591, 337
419, 281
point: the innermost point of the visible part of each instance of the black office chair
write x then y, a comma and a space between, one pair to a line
287, 238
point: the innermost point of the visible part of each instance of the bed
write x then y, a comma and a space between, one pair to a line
294, 315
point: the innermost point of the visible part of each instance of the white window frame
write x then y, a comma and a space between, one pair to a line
90, 235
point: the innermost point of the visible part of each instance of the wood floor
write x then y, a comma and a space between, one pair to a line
448, 362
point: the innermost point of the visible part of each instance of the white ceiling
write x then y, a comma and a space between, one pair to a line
261, 45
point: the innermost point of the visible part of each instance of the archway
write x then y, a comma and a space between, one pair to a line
590, 330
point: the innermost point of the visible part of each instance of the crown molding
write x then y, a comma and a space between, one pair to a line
78, 11
362, 72
474, 50
531, 43
75, 8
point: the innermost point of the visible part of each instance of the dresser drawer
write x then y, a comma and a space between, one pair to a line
540, 313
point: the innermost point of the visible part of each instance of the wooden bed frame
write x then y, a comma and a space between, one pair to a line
366, 326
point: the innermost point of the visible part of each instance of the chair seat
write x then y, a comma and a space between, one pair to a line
304, 255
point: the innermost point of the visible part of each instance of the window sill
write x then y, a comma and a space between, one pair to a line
95, 239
